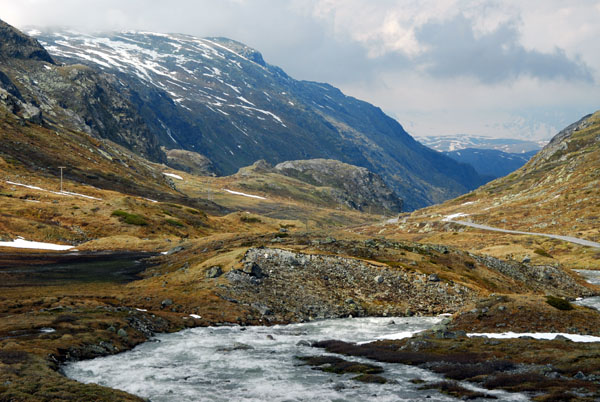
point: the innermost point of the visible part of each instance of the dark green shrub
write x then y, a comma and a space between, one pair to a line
542, 252
559, 303
131, 219
175, 223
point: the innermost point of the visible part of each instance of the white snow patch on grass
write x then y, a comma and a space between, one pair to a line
538, 335
448, 218
69, 193
22, 243
195, 316
173, 175
244, 194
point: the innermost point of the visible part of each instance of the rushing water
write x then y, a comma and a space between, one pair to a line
592, 277
258, 364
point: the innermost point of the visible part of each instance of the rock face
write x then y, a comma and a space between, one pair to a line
356, 187
16, 45
294, 286
188, 161
76, 97
220, 98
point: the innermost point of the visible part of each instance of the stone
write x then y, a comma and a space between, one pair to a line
166, 303
214, 272
434, 278
379, 279
303, 343
253, 269
122, 333
579, 376
175, 250
526, 260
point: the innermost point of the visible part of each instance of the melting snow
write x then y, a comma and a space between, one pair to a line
22, 243
244, 194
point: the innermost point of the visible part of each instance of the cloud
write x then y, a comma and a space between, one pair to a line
453, 49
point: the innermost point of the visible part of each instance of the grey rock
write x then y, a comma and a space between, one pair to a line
166, 303
434, 278
580, 376
122, 333
526, 260
379, 279
214, 272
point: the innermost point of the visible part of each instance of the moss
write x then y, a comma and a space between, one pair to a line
559, 303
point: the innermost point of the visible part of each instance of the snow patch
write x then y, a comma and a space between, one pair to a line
175, 176
244, 194
449, 218
22, 243
537, 335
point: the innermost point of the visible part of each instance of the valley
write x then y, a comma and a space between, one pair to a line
163, 196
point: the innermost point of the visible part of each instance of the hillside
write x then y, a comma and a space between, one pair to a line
555, 193
220, 98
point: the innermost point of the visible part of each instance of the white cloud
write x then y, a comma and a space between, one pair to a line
531, 82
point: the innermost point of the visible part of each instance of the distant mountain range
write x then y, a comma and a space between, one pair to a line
153, 92
449, 143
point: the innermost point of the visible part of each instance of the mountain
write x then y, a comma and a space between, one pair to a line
491, 163
449, 143
555, 193
219, 98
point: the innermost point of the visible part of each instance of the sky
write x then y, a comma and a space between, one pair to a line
496, 68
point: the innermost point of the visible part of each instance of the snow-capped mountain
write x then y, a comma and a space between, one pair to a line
449, 143
219, 98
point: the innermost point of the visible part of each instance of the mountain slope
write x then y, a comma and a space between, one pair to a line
556, 192
491, 162
219, 98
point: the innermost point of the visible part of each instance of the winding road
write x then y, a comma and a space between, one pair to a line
570, 239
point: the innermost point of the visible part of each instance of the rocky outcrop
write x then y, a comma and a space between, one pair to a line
539, 278
559, 143
16, 45
75, 97
282, 285
188, 161
354, 186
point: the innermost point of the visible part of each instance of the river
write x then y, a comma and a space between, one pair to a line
258, 364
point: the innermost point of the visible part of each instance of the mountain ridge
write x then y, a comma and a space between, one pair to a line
218, 97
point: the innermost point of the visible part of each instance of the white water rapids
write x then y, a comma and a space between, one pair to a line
212, 364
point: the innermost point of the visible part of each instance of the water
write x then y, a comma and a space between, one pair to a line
118, 268
202, 364
592, 277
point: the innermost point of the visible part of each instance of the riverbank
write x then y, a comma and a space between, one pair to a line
43, 326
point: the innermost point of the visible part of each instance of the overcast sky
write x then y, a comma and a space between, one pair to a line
505, 68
